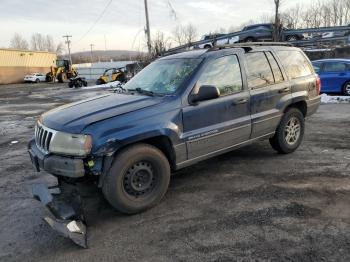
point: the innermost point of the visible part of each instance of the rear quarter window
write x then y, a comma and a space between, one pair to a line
295, 63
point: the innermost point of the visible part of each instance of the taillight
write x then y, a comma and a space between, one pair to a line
318, 85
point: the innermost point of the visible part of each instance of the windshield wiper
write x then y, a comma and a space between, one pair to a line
143, 91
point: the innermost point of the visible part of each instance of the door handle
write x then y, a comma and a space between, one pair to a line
240, 101
284, 90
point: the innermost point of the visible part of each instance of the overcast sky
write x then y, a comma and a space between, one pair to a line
122, 23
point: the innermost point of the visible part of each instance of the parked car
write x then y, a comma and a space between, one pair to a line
264, 32
334, 75
179, 110
216, 42
35, 78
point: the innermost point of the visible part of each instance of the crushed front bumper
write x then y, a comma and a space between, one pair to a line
66, 208
54, 164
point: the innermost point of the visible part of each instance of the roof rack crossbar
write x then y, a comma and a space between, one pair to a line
214, 48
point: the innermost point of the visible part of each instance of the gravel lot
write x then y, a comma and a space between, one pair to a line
250, 204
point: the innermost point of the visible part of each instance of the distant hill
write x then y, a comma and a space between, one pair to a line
104, 56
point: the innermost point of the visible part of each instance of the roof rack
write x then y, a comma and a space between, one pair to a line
249, 45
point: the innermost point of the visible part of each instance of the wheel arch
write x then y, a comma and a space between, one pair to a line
301, 105
161, 141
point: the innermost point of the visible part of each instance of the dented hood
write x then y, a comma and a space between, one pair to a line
74, 117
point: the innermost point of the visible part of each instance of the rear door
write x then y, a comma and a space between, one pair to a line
262, 101
217, 124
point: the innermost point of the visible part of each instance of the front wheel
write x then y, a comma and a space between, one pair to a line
138, 179
289, 132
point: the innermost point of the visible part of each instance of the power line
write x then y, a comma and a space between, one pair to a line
96, 21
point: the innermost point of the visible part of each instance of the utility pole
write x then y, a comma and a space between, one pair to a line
91, 45
68, 44
147, 30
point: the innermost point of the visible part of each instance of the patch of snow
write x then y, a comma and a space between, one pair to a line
103, 86
14, 142
326, 99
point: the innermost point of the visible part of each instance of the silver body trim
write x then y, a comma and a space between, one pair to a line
43, 137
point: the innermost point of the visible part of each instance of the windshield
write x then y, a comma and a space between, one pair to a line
163, 76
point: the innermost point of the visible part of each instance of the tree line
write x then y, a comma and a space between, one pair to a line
37, 42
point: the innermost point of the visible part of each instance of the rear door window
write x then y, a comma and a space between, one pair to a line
259, 72
295, 63
275, 68
334, 67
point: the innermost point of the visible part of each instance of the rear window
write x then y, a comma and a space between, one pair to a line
295, 63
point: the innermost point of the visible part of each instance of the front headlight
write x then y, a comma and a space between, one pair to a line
71, 144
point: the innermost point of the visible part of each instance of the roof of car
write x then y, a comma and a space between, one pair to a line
333, 60
201, 53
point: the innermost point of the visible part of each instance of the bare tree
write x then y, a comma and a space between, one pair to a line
159, 45
291, 17
18, 42
184, 34
59, 48
178, 35
190, 33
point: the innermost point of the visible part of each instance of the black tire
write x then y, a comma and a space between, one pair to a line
207, 46
346, 89
78, 84
37, 80
48, 78
279, 140
62, 77
144, 165
70, 84
85, 83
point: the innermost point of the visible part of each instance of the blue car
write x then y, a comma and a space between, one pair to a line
334, 74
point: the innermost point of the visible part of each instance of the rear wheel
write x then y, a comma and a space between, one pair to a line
207, 46
346, 89
138, 179
289, 132
37, 80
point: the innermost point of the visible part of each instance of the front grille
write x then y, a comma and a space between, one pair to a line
43, 137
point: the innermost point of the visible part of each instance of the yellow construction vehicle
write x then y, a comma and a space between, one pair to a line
112, 74
61, 72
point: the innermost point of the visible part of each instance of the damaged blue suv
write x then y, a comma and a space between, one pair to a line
180, 109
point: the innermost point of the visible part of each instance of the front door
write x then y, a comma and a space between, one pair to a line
217, 124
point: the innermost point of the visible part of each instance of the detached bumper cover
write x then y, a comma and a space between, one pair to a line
56, 165
67, 220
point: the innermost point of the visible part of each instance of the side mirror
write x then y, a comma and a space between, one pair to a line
205, 92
